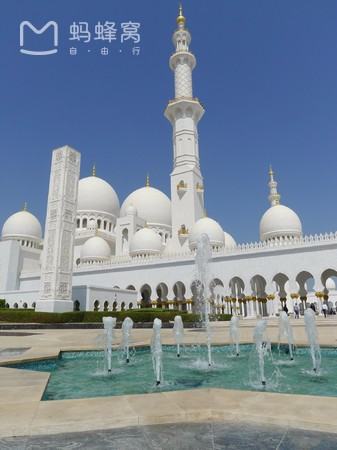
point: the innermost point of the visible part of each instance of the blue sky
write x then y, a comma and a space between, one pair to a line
266, 75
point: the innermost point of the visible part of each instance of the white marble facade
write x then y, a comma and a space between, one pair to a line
142, 251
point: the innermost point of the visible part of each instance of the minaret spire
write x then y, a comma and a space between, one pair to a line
181, 19
274, 196
184, 112
93, 170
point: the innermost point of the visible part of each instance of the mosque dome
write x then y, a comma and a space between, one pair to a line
152, 205
206, 226
330, 284
229, 241
95, 248
279, 221
22, 224
96, 195
145, 242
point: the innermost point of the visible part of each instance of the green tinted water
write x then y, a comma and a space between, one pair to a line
81, 374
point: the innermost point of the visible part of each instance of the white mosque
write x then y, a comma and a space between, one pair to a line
98, 255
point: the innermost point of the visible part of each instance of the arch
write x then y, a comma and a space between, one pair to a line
179, 291
305, 281
123, 306
33, 305
96, 305
212, 285
280, 279
131, 287
162, 291
84, 222
145, 292
25, 306
258, 286
328, 273
76, 305
114, 306
116, 287
125, 240
197, 290
106, 306
15, 305
130, 305
237, 287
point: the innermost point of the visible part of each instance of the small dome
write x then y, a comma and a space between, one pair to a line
22, 224
131, 210
152, 205
330, 284
95, 248
280, 221
229, 241
145, 242
96, 195
211, 228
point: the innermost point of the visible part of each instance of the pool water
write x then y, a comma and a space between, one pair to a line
82, 375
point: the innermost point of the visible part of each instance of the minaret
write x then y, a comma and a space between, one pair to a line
184, 113
274, 196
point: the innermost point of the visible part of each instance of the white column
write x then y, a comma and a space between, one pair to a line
58, 246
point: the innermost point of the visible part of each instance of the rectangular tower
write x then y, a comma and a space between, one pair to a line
58, 244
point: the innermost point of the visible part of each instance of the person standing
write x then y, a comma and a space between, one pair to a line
325, 309
297, 311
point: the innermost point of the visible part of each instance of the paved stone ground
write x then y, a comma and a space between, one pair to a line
189, 436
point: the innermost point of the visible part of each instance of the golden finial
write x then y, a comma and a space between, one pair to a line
181, 19
93, 170
271, 170
25, 207
147, 183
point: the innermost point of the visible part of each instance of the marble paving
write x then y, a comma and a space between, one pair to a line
182, 436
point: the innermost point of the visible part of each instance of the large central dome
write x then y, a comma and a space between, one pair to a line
151, 204
96, 195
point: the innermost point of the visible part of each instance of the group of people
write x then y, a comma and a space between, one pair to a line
325, 310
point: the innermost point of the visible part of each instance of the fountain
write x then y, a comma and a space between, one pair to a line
109, 324
234, 333
285, 331
311, 330
261, 346
178, 330
202, 259
157, 351
126, 333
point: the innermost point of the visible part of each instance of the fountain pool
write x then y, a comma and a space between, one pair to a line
82, 374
